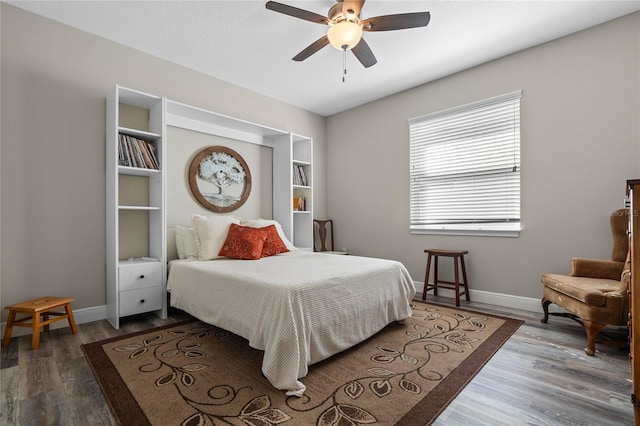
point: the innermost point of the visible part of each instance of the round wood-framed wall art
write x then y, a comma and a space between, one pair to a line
219, 167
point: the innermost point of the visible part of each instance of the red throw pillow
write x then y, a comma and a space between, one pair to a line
243, 242
273, 244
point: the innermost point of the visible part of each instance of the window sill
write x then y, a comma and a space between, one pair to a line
488, 231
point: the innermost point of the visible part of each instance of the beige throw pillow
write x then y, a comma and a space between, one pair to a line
186, 243
211, 233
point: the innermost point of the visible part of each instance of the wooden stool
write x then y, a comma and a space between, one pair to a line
36, 307
453, 285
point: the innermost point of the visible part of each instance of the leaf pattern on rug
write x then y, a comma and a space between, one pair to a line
179, 344
258, 412
177, 357
441, 334
354, 389
409, 386
344, 414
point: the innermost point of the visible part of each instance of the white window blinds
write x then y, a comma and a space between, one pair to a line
465, 168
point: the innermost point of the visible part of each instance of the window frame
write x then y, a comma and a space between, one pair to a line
499, 229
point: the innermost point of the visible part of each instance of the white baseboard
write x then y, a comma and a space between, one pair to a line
497, 299
81, 316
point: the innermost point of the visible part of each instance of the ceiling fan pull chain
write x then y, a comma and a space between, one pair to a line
344, 62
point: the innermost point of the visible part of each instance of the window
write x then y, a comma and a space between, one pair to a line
465, 169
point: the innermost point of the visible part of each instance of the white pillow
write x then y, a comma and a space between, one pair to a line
186, 242
261, 223
211, 233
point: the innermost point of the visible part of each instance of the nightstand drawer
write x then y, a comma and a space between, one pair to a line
139, 301
139, 275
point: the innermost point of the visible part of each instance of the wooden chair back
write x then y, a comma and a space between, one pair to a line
322, 234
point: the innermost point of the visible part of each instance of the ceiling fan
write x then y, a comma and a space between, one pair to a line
346, 27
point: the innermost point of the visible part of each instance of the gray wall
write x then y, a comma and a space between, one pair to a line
579, 144
54, 81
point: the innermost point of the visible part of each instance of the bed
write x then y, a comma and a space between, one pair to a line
298, 307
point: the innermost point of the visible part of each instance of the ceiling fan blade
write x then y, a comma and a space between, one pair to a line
364, 54
312, 48
400, 21
296, 12
354, 5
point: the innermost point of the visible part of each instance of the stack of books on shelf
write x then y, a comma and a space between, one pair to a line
134, 152
299, 204
299, 178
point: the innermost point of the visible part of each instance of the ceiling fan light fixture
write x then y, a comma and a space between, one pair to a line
344, 33
345, 27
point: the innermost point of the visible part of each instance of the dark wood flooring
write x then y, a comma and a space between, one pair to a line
541, 376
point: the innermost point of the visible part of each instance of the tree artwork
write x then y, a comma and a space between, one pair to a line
223, 168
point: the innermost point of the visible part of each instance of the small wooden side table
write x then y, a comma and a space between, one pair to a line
36, 308
453, 285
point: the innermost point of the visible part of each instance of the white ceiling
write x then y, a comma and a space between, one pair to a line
245, 44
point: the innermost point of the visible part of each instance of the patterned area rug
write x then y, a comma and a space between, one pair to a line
197, 374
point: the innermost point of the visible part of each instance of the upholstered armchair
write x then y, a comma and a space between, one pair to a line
595, 292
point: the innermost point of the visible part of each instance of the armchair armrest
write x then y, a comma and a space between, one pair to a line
596, 268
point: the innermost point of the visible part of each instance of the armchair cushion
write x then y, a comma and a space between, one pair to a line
591, 291
596, 268
612, 312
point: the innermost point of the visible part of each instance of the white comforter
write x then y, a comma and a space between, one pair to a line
298, 307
